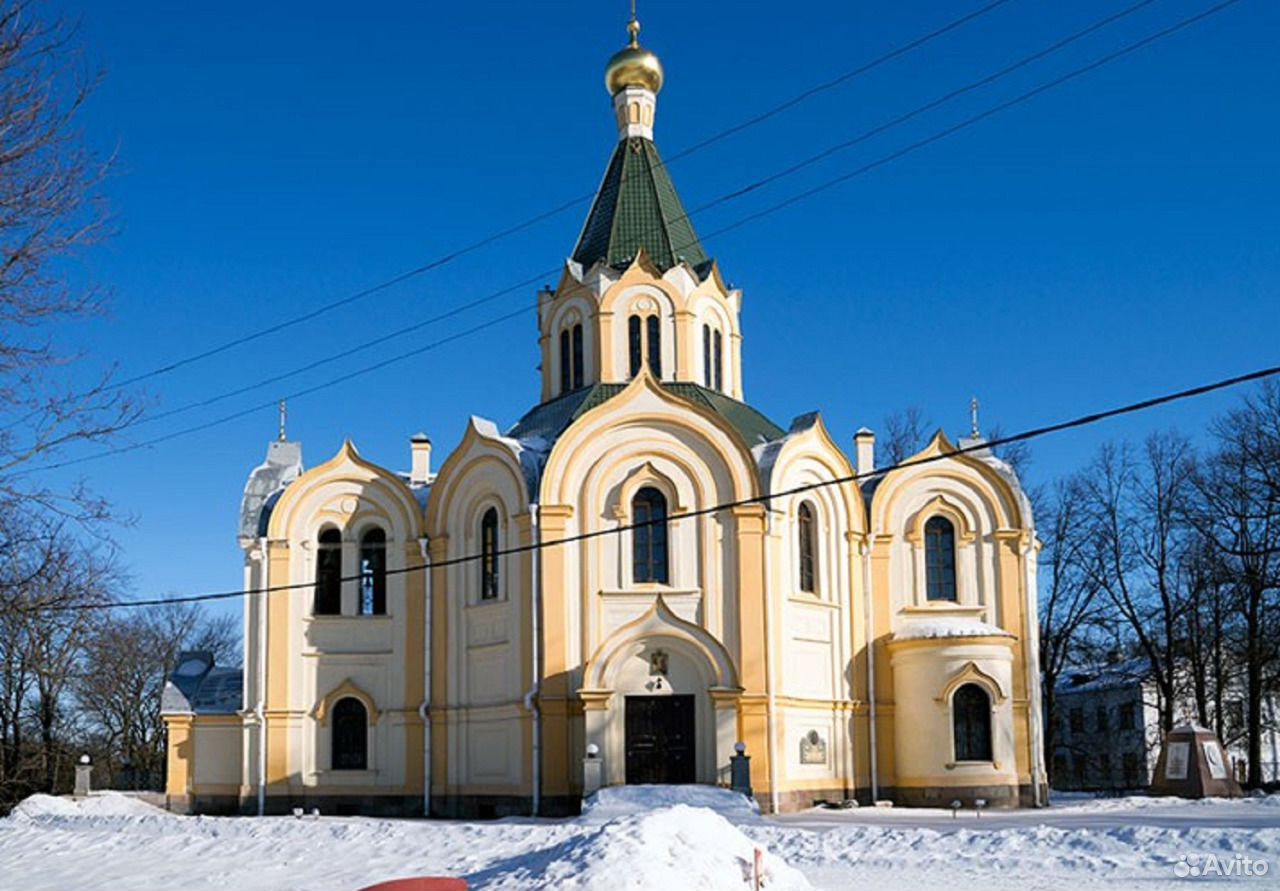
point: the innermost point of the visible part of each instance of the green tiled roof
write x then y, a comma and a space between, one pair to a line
637, 206
550, 419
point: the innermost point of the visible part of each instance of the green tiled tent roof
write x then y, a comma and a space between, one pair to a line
637, 206
550, 419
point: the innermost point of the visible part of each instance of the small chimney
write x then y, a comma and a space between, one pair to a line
865, 443
420, 449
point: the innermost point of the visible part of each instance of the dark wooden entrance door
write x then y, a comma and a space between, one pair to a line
660, 741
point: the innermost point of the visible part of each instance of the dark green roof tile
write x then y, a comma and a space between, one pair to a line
637, 207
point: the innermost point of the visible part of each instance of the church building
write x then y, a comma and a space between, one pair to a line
643, 571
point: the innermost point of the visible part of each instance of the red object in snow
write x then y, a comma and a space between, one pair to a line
421, 883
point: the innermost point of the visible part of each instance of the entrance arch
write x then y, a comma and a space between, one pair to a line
660, 699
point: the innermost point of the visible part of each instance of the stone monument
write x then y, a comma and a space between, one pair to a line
1193, 764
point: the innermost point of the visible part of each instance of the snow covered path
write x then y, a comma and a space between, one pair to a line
638, 840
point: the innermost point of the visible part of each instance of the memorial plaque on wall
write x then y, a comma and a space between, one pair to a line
1176, 767
1214, 760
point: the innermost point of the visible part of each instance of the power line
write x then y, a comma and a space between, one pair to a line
986, 445
774, 208
445, 259
732, 195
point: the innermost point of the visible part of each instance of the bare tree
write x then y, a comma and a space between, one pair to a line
128, 657
50, 209
1068, 597
1135, 507
1238, 511
905, 433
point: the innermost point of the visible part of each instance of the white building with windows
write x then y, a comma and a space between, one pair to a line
643, 562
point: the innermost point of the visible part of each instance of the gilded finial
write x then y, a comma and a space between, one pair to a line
633, 26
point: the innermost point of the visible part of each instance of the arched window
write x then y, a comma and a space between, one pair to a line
328, 599
719, 361
649, 536
566, 371
655, 345
578, 376
706, 356
636, 347
373, 573
940, 559
489, 555
971, 717
350, 727
808, 548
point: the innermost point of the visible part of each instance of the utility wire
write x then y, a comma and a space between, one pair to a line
767, 211
446, 259
983, 445
732, 195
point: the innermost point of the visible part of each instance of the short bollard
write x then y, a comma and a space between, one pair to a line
84, 773
740, 770
592, 771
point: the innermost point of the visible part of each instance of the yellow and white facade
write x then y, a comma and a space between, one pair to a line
643, 571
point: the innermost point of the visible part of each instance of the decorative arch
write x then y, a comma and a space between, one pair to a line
971, 674
355, 483
481, 446
348, 688
942, 506
659, 622
998, 497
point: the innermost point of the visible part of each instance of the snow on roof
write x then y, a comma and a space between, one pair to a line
946, 626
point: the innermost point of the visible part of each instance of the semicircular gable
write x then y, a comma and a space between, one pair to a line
345, 476
644, 403
956, 473
478, 455
814, 446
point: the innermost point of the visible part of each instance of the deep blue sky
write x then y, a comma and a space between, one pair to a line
1108, 241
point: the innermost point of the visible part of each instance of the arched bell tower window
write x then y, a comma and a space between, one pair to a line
373, 573
808, 548
328, 596
649, 536
654, 324
489, 555
940, 559
718, 364
713, 358
578, 370
350, 722
566, 370
644, 342
572, 370
971, 719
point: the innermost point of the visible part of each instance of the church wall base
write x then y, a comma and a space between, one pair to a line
996, 796
790, 801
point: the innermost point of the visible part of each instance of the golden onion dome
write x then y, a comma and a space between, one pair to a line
633, 66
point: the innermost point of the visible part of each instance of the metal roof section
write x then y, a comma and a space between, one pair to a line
282, 466
637, 208
196, 686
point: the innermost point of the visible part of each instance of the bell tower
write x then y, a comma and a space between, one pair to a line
639, 290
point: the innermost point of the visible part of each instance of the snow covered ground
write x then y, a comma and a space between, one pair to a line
651, 838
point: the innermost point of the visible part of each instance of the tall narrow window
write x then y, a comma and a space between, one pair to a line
489, 555
719, 361
637, 348
940, 559
649, 536
328, 599
350, 739
655, 345
578, 375
808, 557
373, 573
706, 356
971, 716
565, 370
